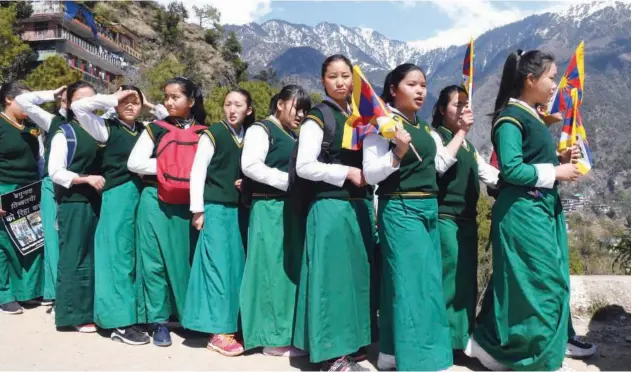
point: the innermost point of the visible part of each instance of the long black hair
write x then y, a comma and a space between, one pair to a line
191, 91
331, 59
442, 102
517, 67
291, 92
11, 89
136, 89
250, 118
395, 77
70, 91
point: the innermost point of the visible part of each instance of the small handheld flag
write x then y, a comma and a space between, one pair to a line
574, 134
369, 114
572, 79
468, 69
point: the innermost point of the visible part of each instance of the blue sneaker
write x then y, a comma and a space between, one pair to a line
161, 335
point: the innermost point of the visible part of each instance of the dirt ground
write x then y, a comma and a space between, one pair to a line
31, 342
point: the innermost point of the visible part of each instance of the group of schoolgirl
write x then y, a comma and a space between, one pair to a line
312, 283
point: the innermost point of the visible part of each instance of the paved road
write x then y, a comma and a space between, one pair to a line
30, 342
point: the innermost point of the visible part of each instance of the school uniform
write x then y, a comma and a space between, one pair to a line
413, 321
164, 235
117, 285
30, 102
212, 301
333, 315
524, 320
275, 237
77, 217
21, 277
459, 190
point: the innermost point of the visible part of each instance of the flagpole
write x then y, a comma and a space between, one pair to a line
412, 147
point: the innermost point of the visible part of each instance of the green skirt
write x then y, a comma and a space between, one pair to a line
524, 320
48, 210
212, 303
333, 315
166, 241
77, 223
21, 277
459, 254
413, 319
271, 274
115, 288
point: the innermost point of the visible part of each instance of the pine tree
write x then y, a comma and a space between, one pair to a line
14, 53
53, 73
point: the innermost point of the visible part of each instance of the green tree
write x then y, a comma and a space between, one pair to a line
213, 36
316, 98
268, 75
163, 71
484, 222
14, 53
53, 73
230, 53
206, 14
167, 22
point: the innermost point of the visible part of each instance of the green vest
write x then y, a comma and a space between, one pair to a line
87, 160
19, 152
459, 187
54, 126
338, 155
280, 148
538, 146
224, 168
121, 141
414, 179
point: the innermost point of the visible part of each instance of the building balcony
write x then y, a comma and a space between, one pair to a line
111, 39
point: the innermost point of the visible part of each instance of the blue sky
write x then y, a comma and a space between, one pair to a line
431, 23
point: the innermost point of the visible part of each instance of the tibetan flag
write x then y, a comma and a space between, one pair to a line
468, 68
574, 133
369, 114
572, 79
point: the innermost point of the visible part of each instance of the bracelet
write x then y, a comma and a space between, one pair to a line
399, 160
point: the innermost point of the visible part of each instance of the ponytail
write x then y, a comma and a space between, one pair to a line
517, 68
273, 103
193, 92
291, 92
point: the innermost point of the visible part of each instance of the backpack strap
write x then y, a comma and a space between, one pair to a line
329, 126
71, 141
164, 125
198, 128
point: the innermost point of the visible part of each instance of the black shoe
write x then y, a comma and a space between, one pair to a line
345, 363
130, 335
360, 355
11, 308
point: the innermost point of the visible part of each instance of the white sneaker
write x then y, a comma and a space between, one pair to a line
285, 351
575, 348
86, 328
386, 362
474, 350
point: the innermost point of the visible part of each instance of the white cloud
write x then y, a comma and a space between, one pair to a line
232, 11
471, 19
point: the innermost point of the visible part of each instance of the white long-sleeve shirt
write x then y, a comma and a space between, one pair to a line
254, 153
95, 125
30, 103
203, 156
57, 167
309, 147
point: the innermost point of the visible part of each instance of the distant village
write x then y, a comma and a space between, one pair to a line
578, 202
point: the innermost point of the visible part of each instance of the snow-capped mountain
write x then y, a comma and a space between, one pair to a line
297, 51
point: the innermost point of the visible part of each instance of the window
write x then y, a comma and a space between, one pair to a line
41, 29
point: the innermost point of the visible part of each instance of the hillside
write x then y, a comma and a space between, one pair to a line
605, 28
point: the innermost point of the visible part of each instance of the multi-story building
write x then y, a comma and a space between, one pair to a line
113, 54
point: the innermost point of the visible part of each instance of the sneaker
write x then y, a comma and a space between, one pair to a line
285, 351
346, 363
474, 350
161, 335
360, 355
86, 328
225, 344
575, 348
11, 308
386, 362
130, 335
47, 302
